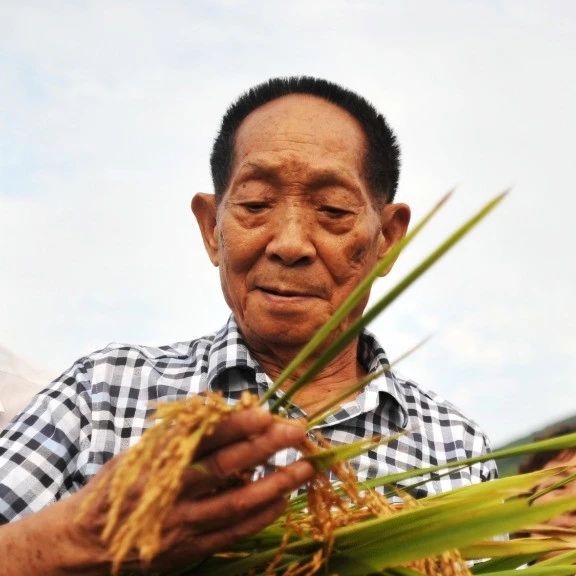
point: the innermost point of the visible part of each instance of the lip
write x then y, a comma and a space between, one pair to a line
285, 293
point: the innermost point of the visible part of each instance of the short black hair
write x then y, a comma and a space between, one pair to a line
538, 460
382, 158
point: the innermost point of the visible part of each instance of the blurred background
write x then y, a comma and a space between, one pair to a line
108, 110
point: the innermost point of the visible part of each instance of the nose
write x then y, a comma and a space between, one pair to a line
292, 239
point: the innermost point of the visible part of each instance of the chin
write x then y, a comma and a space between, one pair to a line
287, 335
282, 325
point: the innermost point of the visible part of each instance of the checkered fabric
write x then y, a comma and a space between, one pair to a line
100, 406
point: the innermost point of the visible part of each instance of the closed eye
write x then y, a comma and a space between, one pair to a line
255, 207
335, 212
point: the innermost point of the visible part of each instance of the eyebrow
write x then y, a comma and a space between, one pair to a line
258, 171
318, 177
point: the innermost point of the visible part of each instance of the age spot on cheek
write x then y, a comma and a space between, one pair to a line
357, 255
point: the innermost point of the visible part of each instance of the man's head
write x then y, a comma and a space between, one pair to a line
381, 162
297, 225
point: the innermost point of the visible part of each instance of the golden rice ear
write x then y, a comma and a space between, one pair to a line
165, 451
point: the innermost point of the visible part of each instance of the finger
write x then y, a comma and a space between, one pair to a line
237, 426
257, 450
219, 540
236, 504
205, 543
212, 471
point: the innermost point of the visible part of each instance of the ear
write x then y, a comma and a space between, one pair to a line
205, 209
394, 219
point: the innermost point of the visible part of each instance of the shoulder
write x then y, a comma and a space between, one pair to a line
444, 428
142, 372
429, 416
126, 373
123, 354
430, 407
441, 432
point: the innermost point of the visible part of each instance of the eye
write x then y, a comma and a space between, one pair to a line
255, 207
335, 212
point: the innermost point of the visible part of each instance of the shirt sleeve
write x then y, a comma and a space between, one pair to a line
39, 448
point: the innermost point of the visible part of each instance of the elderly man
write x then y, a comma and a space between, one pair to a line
305, 174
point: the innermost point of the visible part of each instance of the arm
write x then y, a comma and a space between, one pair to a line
53, 542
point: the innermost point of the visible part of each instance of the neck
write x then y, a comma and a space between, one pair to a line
336, 376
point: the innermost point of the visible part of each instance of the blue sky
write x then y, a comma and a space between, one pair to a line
107, 113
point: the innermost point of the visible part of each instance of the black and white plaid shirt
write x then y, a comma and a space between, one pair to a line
100, 406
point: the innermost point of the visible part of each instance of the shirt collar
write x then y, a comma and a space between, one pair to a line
373, 358
230, 352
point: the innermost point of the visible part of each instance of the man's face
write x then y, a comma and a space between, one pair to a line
297, 228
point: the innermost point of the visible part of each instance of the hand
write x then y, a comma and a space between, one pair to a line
207, 516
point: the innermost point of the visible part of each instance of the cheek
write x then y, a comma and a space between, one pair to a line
358, 254
362, 245
354, 257
238, 250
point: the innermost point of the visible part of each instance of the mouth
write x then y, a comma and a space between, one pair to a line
285, 292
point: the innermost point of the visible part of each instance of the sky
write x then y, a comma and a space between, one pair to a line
108, 110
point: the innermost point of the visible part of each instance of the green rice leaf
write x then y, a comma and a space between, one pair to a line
423, 532
502, 564
324, 459
516, 547
566, 558
557, 443
334, 405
